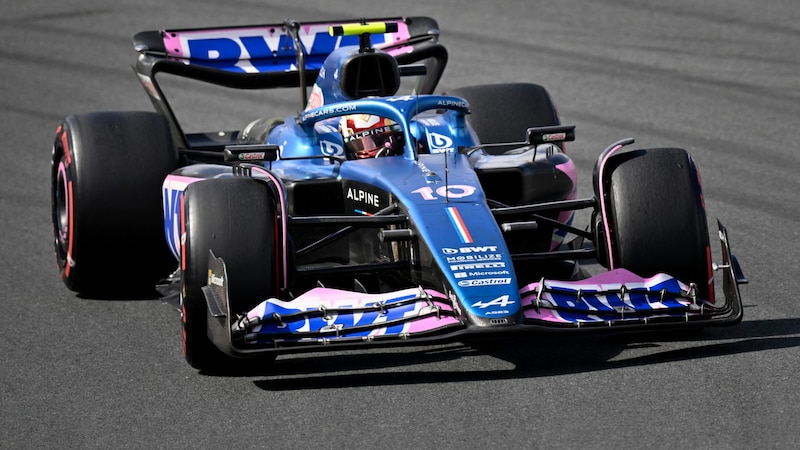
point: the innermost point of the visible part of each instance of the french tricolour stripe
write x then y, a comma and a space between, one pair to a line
458, 223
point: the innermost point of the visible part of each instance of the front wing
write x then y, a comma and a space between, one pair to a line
325, 318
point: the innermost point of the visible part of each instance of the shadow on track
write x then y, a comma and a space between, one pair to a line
531, 357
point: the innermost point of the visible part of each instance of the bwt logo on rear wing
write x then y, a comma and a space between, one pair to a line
264, 48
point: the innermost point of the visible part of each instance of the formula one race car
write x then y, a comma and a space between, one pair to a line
374, 218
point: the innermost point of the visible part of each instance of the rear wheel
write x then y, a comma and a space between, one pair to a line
257, 131
503, 112
657, 218
235, 218
107, 170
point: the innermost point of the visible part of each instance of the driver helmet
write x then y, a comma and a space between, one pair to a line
369, 136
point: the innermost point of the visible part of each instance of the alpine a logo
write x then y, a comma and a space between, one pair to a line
502, 301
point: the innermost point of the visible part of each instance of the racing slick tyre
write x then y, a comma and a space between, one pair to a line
257, 131
235, 218
107, 170
503, 112
657, 217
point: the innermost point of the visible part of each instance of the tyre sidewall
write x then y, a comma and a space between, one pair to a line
657, 218
235, 219
115, 163
503, 112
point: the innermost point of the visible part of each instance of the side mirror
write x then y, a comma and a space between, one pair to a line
550, 135
251, 153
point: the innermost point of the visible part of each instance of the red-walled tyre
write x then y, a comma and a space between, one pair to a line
656, 216
107, 170
235, 218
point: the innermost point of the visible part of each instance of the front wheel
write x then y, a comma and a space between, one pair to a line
656, 217
235, 218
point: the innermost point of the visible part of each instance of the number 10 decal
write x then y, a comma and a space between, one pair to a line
451, 191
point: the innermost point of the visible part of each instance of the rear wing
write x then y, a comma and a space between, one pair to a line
282, 55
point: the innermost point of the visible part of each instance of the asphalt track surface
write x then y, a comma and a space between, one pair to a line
719, 78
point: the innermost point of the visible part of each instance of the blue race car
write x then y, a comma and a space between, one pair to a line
373, 217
